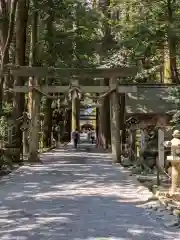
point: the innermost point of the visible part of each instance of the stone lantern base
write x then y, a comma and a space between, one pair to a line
175, 183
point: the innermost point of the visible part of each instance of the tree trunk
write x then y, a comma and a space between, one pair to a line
105, 132
8, 83
68, 124
34, 96
122, 119
51, 63
47, 123
104, 123
7, 12
107, 127
97, 127
100, 119
172, 42
21, 28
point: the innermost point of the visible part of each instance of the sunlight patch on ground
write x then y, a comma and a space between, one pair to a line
100, 238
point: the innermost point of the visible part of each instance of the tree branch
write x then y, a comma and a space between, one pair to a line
10, 31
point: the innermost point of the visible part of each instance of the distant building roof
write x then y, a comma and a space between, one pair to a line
149, 100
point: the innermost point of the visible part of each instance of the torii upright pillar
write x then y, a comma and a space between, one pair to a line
35, 123
75, 111
115, 116
75, 122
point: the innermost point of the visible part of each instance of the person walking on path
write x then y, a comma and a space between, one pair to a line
89, 134
92, 136
75, 137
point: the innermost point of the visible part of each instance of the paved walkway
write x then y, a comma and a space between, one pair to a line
75, 195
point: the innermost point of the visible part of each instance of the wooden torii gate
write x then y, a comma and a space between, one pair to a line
75, 90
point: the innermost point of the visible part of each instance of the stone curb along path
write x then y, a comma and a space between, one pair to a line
156, 204
9, 176
141, 189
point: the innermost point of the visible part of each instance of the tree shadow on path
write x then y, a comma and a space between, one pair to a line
66, 200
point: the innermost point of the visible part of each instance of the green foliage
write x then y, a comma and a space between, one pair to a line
3, 127
174, 97
7, 108
118, 34
75, 33
140, 30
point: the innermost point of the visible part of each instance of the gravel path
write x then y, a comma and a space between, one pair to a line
75, 195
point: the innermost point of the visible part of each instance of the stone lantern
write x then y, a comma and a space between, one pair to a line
174, 158
25, 125
132, 125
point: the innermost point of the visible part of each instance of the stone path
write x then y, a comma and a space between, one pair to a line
75, 195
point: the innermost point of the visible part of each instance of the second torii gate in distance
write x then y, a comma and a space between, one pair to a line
75, 89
